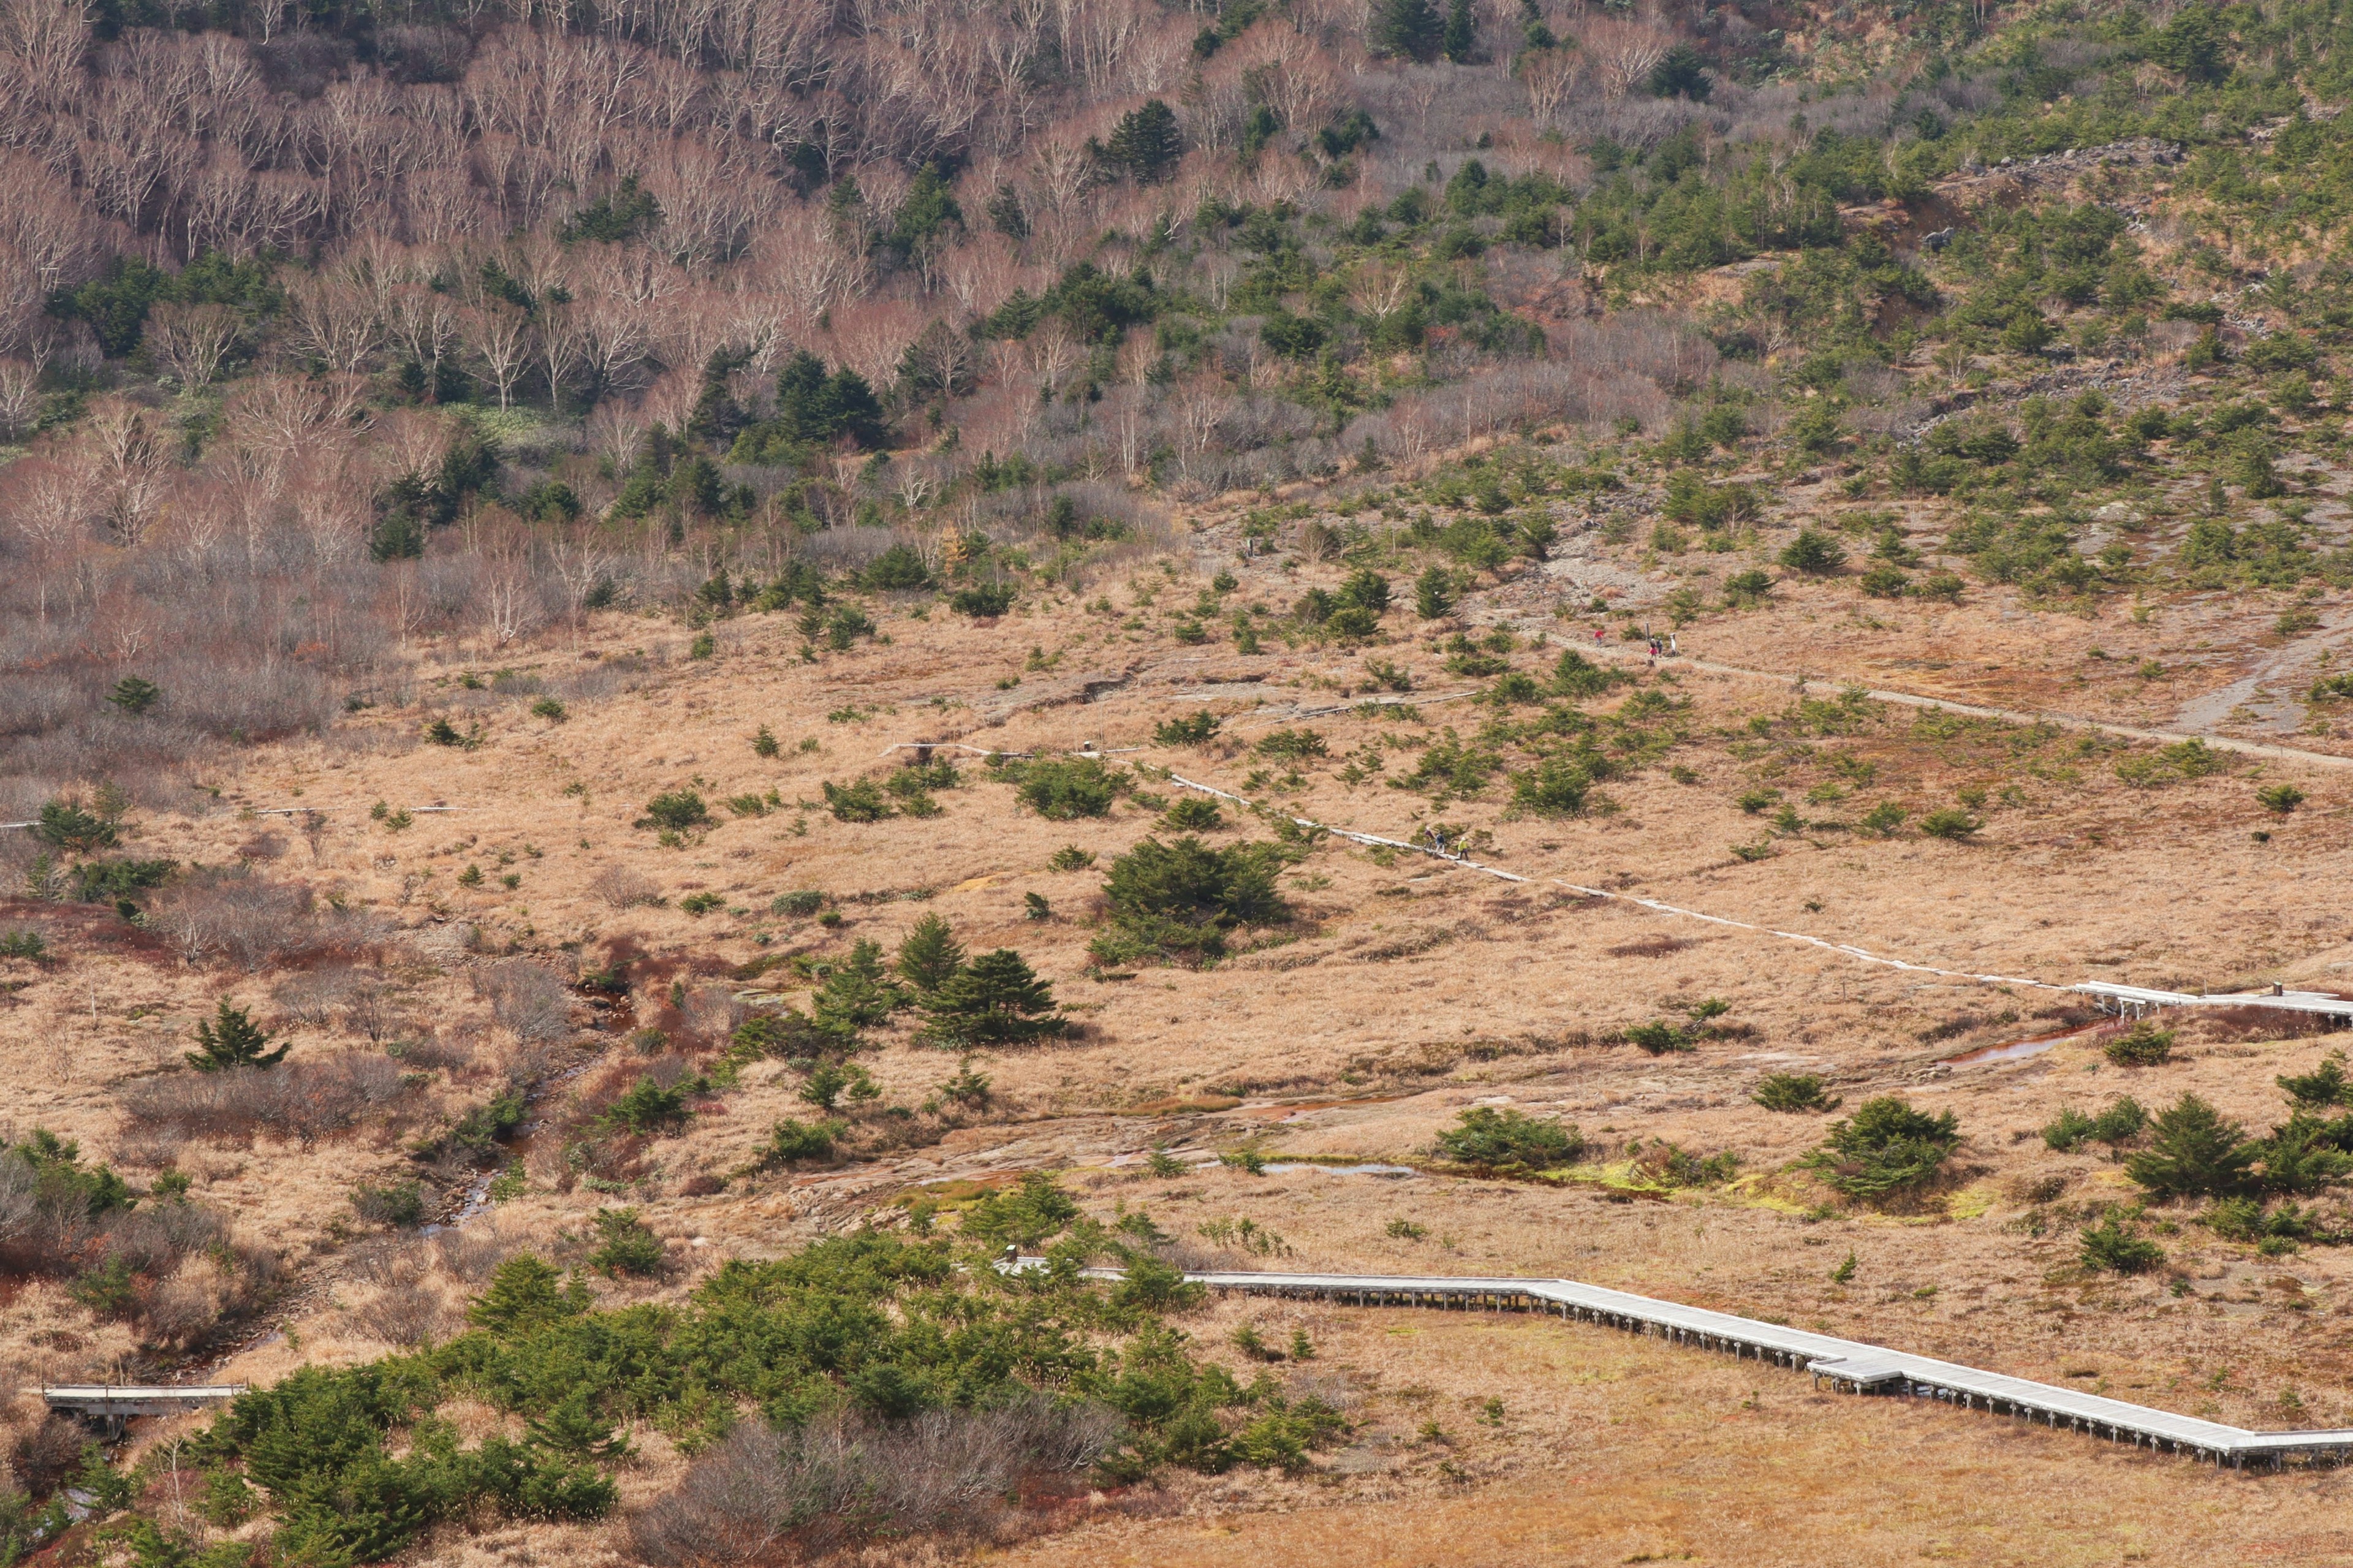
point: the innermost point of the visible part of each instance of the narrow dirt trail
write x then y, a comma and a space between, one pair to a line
2026, 716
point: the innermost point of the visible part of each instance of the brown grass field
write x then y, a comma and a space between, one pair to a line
1407, 990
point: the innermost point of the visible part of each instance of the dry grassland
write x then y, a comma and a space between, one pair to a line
1406, 991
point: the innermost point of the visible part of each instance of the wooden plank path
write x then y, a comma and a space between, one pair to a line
1843, 1364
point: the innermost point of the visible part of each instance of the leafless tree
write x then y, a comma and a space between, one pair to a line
193, 341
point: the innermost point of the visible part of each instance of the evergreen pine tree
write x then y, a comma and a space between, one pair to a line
995, 1000
858, 995
1409, 28
929, 955
572, 1427
2194, 1151
1146, 142
526, 1291
1462, 33
232, 1039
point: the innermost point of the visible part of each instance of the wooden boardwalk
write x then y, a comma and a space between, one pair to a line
1844, 1363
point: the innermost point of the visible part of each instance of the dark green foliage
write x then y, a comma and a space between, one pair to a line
1145, 144
1433, 593
1576, 677
1069, 858
2143, 1045
1813, 552
1192, 730
861, 800
1461, 34
1949, 822
676, 811
1064, 789
114, 881
526, 1291
929, 954
813, 410
21, 943
2108, 1245
64, 1189
1366, 589
1408, 28
649, 1107
763, 742
1181, 898
135, 694
1792, 1091
2324, 1085
622, 214
898, 567
63, 824
858, 995
1885, 1149
1679, 73
1504, 1139
400, 1204
1556, 786
2123, 1121
995, 1000
1025, 1215
625, 1244
983, 601
791, 1142
1292, 746
2195, 1152
232, 1039
1193, 814
2279, 799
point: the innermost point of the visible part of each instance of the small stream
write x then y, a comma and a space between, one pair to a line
2019, 1050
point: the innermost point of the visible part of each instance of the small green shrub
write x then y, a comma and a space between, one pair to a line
400, 1204
2109, 1247
2323, 1086
700, 904
22, 942
1793, 1092
1505, 1139
1884, 1150
626, 1244
1192, 730
995, 1000
1193, 814
1814, 552
2124, 1120
2144, 1046
647, 1108
801, 903
859, 801
232, 1039
982, 600
1071, 858
1949, 822
1292, 746
2280, 799
676, 811
793, 1142
1064, 789
2195, 1152
763, 742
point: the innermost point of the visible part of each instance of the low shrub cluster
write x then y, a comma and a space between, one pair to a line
1504, 1139
868, 1387
1885, 1151
1178, 901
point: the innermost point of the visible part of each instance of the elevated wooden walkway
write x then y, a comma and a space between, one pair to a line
1843, 1364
